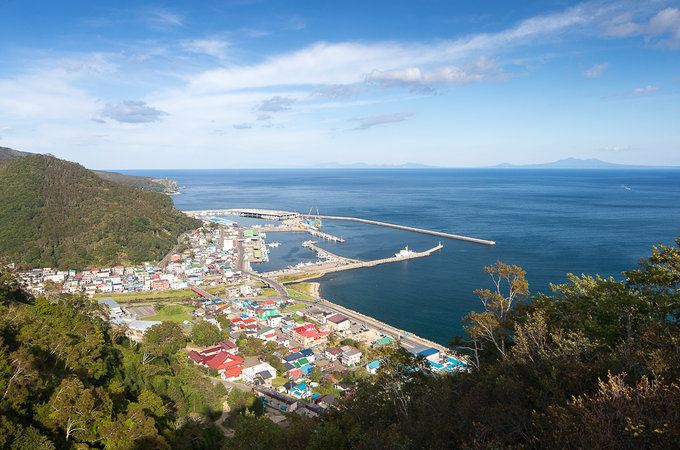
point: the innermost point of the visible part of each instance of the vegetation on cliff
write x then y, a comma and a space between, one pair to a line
68, 380
56, 213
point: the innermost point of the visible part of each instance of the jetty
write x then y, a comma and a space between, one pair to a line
413, 229
323, 268
293, 221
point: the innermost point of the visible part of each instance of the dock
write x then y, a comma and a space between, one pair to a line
292, 221
324, 268
413, 229
323, 253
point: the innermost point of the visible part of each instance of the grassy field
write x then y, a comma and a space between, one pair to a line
297, 295
298, 277
295, 307
305, 288
267, 292
279, 381
178, 295
172, 313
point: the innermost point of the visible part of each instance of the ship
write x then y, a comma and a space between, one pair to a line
274, 244
404, 252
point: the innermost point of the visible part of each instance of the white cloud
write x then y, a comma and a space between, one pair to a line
666, 22
160, 18
212, 47
372, 121
663, 27
131, 112
276, 104
644, 90
482, 69
326, 63
242, 126
43, 96
595, 71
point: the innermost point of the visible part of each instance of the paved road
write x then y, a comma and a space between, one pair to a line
229, 432
410, 341
280, 290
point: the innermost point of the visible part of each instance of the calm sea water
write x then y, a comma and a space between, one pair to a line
548, 221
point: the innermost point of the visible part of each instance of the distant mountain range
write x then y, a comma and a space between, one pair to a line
567, 163
576, 163
359, 165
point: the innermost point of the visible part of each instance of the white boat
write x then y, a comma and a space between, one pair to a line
274, 244
404, 252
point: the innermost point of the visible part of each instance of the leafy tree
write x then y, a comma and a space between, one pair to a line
224, 321
75, 409
132, 430
491, 328
164, 339
31, 438
205, 333
315, 374
256, 432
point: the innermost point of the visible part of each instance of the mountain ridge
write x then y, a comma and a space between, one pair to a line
577, 163
56, 213
141, 182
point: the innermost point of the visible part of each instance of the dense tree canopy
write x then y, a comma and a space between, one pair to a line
67, 378
205, 333
55, 213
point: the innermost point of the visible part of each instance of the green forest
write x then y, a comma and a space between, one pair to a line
595, 364
55, 213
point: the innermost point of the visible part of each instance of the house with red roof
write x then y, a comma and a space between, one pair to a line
308, 335
228, 365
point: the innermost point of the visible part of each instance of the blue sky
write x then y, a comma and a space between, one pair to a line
222, 84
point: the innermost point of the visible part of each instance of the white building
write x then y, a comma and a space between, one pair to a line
350, 356
260, 374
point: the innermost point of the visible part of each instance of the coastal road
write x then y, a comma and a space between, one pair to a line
278, 287
407, 340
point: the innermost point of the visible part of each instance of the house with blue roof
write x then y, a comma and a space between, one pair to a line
299, 390
373, 366
307, 368
429, 353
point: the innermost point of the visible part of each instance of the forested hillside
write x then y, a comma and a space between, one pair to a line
67, 380
135, 181
57, 213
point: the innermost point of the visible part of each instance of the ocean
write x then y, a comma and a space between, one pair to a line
550, 222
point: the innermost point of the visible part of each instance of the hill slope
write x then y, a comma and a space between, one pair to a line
140, 182
57, 213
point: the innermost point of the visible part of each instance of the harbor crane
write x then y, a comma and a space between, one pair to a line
314, 221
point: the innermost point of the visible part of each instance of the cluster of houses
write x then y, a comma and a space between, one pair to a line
118, 279
209, 259
304, 340
210, 256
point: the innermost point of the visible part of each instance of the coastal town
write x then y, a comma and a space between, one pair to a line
298, 352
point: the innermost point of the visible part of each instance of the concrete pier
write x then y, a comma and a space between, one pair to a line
293, 218
414, 229
348, 264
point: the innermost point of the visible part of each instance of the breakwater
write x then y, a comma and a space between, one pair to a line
413, 229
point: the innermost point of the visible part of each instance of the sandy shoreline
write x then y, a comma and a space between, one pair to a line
314, 289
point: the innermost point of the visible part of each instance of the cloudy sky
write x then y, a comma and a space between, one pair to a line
247, 83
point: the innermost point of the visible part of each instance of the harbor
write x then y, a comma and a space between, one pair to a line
295, 221
334, 263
